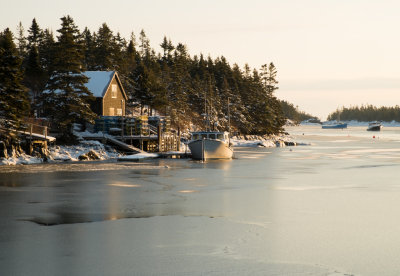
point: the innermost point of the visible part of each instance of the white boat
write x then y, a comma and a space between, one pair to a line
374, 126
205, 145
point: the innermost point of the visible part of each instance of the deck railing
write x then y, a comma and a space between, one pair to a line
28, 127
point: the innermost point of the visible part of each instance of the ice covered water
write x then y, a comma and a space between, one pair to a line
330, 207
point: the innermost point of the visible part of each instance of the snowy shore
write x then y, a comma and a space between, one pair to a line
73, 153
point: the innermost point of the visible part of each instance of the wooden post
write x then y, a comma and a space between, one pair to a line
122, 120
30, 141
159, 133
178, 142
45, 138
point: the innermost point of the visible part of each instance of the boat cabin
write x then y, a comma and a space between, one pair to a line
212, 135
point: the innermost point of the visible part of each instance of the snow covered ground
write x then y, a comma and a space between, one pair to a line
65, 153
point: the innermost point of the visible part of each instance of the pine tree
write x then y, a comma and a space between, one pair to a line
35, 78
144, 44
167, 47
14, 102
105, 49
46, 51
22, 43
67, 96
35, 34
129, 69
143, 86
268, 75
119, 50
90, 46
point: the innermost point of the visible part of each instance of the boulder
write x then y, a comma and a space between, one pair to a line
90, 155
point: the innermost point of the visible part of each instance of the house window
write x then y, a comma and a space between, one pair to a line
111, 111
119, 111
113, 90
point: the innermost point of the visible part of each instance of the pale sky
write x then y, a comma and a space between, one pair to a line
329, 53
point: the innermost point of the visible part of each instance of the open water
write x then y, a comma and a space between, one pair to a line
328, 207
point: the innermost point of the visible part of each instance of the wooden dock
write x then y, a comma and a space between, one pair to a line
106, 138
161, 142
177, 155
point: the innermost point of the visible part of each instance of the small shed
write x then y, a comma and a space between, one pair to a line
110, 95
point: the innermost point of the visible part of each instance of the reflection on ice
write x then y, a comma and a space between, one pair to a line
187, 191
125, 185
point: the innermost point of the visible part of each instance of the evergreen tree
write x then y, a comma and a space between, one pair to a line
143, 86
22, 43
38, 63
14, 102
35, 78
105, 49
128, 69
67, 96
144, 44
46, 51
268, 75
35, 34
90, 46
119, 51
167, 47
130, 66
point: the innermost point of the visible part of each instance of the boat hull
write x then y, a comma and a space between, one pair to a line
337, 126
213, 149
374, 128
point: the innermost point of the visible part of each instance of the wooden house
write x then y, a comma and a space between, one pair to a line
110, 95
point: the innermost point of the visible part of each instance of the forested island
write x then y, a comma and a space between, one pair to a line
36, 67
367, 113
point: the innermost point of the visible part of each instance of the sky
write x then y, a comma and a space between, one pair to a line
328, 53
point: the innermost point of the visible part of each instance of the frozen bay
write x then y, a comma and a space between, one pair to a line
328, 208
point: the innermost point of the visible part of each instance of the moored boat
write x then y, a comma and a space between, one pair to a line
205, 145
338, 125
374, 126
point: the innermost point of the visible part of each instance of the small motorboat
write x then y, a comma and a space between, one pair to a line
374, 126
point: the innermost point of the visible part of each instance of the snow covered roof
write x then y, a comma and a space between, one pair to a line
98, 81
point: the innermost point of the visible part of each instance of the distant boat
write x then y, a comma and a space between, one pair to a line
337, 125
374, 126
206, 145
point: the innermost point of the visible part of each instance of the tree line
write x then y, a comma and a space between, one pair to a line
172, 82
293, 113
367, 113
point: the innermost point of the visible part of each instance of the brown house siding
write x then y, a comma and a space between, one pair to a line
110, 102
